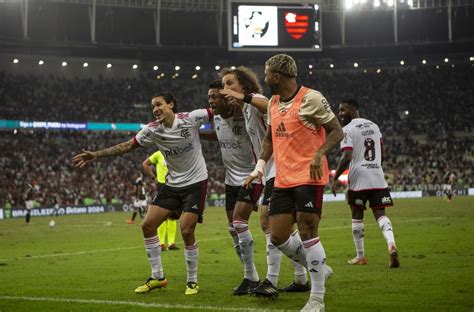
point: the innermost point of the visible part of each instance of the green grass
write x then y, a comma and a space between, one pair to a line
100, 257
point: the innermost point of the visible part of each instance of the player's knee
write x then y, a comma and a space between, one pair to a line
278, 239
148, 229
187, 233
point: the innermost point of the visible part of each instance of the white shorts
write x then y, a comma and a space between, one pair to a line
139, 203
447, 187
29, 204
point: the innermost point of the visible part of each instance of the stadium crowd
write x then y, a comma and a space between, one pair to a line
421, 112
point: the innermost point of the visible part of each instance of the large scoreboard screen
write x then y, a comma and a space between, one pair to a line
274, 26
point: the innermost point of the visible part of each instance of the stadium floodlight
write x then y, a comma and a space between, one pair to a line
437, 66
155, 68
410, 3
64, 64
402, 62
135, 66
407, 112
194, 76
310, 72
446, 60
356, 65
376, 3
348, 4
471, 58
177, 67
15, 61
331, 65
198, 67
365, 71
310, 66
452, 65
232, 67
15, 131
162, 74
85, 65
217, 67
423, 62
390, 2
41, 62
158, 77
379, 70
109, 65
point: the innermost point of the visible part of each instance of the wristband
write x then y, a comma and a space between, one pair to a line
248, 98
258, 168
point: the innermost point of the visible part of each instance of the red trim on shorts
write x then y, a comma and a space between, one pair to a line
381, 206
371, 189
319, 197
347, 148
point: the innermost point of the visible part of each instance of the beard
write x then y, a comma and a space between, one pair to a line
274, 88
345, 121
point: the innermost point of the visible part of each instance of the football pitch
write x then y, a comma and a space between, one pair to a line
94, 262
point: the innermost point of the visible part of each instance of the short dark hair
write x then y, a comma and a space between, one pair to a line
215, 84
168, 97
351, 102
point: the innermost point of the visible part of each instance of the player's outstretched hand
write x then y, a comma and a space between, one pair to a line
334, 187
83, 159
231, 94
316, 167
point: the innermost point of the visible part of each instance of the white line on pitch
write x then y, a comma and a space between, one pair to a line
133, 303
201, 240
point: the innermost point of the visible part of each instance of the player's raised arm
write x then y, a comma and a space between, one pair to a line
260, 102
83, 159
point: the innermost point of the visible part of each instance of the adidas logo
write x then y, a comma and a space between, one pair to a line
309, 205
281, 131
194, 207
247, 197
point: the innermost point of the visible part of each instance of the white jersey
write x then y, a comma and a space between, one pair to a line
364, 138
180, 146
237, 153
256, 126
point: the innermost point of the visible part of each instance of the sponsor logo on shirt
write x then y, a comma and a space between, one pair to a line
281, 131
178, 150
185, 133
230, 145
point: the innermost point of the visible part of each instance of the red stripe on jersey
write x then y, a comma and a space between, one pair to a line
209, 114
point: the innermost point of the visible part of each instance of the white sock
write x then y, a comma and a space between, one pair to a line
293, 249
246, 249
153, 251
358, 236
235, 239
191, 254
387, 231
300, 271
316, 259
273, 261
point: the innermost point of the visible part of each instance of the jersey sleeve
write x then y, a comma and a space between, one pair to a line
143, 138
346, 143
154, 158
200, 117
269, 108
315, 109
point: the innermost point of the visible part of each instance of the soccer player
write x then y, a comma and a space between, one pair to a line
362, 148
254, 105
168, 228
239, 160
184, 194
301, 130
29, 195
139, 203
449, 178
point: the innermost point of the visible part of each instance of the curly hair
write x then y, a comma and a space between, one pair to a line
246, 77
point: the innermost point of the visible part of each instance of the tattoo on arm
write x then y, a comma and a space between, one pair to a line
267, 145
119, 149
334, 136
